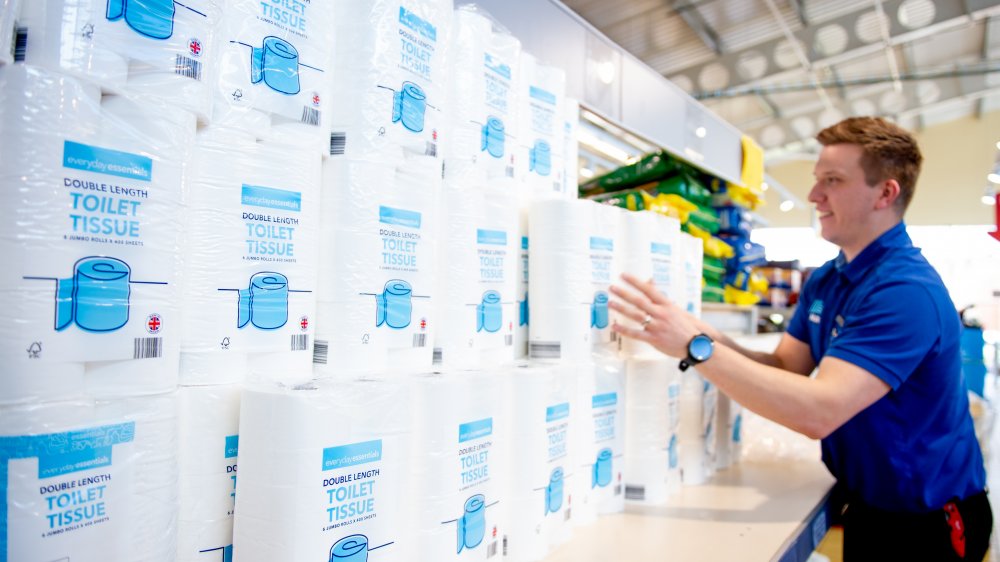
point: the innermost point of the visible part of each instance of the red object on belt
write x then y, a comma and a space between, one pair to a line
954, 519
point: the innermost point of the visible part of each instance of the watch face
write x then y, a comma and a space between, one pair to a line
700, 348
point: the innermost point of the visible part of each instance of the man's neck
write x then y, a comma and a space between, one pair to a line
855, 249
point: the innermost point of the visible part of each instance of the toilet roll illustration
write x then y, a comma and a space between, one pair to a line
96, 297
264, 303
472, 525
226, 551
152, 18
352, 548
602, 469
489, 313
672, 451
409, 104
599, 311
540, 158
276, 63
554, 491
523, 311
393, 306
493, 137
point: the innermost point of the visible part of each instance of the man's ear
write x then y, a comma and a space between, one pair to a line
889, 193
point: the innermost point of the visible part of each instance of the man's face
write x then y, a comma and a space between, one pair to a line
845, 203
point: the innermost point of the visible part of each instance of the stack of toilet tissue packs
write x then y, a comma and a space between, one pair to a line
601, 436
651, 447
96, 189
376, 274
89, 479
389, 77
457, 469
323, 472
274, 68
543, 466
542, 91
251, 261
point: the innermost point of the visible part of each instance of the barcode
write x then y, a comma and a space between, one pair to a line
310, 115
147, 348
635, 492
321, 351
509, 172
491, 550
568, 514
338, 143
20, 43
618, 489
419, 340
505, 546
300, 342
187, 67
508, 340
431, 150
544, 350
438, 354
557, 187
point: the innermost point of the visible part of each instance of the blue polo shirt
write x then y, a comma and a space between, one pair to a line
888, 312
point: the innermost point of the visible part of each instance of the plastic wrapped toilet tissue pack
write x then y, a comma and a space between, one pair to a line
96, 191
456, 494
377, 268
482, 95
697, 428
274, 58
322, 472
170, 48
390, 71
693, 254
602, 449
208, 430
90, 480
541, 102
9, 10
251, 261
651, 439
60, 36
571, 149
652, 245
523, 318
542, 466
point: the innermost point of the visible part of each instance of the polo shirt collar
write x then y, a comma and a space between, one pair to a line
895, 237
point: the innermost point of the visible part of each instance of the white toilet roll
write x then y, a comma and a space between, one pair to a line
541, 145
376, 279
275, 59
607, 405
457, 465
652, 244
170, 48
26, 380
561, 283
252, 257
208, 420
90, 480
693, 253
697, 428
605, 270
322, 472
61, 37
650, 431
391, 64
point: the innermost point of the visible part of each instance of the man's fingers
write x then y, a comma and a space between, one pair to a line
633, 333
646, 287
631, 297
629, 312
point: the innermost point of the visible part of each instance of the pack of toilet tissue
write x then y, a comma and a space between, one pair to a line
602, 438
274, 59
571, 148
390, 68
208, 430
541, 105
693, 251
60, 36
521, 291
93, 256
322, 472
651, 442
9, 10
482, 94
251, 260
543, 466
457, 470
89, 480
377, 269
697, 431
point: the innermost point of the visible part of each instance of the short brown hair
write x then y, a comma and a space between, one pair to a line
889, 152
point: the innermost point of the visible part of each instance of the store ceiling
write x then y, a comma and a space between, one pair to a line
780, 70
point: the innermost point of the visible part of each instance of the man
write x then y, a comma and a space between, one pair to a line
888, 400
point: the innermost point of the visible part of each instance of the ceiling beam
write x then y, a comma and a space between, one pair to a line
693, 18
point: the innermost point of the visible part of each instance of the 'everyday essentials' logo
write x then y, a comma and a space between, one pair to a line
815, 311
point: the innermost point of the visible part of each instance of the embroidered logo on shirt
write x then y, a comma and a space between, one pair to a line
815, 311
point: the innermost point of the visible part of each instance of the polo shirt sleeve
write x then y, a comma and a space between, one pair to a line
797, 325
889, 332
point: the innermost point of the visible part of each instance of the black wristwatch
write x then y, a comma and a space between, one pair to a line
699, 350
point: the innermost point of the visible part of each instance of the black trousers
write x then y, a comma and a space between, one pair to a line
873, 534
